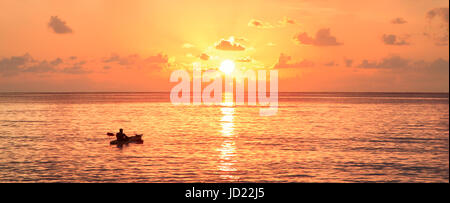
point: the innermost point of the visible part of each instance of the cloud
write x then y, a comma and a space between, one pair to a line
134, 58
159, 60
391, 62
439, 66
259, 24
26, 64
115, 58
398, 21
266, 25
204, 56
439, 26
394, 40
76, 68
58, 25
418, 73
13, 65
112, 58
284, 61
270, 44
409, 74
229, 45
287, 21
323, 38
56, 62
41, 67
438, 12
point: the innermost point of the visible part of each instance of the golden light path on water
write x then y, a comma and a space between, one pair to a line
314, 137
228, 148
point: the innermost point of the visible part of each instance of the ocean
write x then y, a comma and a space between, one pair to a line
314, 137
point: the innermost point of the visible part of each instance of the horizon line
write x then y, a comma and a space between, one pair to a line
56, 92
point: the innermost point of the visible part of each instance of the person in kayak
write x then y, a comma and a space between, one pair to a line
121, 136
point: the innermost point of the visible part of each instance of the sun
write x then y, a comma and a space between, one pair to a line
227, 66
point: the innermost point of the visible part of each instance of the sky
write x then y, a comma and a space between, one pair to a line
321, 45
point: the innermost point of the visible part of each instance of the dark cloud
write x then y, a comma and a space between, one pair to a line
56, 62
227, 45
406, 74
323, 37
439, 26
366, 64
287, 21
255, 23
266, 25
58, 26
394, 62
259, 24
159, 60
284, 61
41, 67
26, 64
129, 60
391, 62
124, 61
421, 73
398, 21
390, 39
76, 68
438, 12
14, 64
112, 58
204, 56
439, 66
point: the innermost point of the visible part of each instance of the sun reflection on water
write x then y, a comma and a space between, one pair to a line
228, 148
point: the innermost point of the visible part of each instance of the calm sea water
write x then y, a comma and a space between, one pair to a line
315, 137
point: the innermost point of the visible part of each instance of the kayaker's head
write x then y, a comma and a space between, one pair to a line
121, 130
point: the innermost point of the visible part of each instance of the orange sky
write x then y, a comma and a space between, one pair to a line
323, 45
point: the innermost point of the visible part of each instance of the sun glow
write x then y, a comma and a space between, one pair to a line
227, 66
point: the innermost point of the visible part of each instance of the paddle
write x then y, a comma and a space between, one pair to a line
112, 134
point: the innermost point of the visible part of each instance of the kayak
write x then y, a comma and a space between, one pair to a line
133, 139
